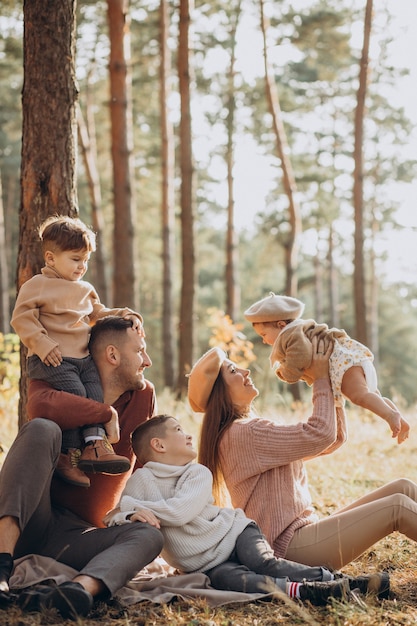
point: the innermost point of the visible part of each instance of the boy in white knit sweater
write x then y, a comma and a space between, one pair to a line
173, 493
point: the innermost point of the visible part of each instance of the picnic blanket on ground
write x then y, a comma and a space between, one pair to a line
156, 583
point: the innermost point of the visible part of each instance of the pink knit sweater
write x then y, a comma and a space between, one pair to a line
262, 463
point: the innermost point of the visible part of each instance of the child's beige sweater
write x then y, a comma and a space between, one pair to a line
293, 350
51, 311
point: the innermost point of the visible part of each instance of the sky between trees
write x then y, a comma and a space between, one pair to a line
255, 173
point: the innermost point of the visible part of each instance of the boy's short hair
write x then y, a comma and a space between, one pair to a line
142, 435
62, 232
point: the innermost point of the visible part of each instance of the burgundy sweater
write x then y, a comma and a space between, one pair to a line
71, 411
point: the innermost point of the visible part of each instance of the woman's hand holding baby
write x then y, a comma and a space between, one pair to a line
319, 366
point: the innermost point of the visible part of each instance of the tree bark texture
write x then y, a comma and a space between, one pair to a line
48, 170
121, 150
4, 273
168, 197
186, 322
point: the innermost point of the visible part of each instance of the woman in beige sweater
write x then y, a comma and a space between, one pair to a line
261, 463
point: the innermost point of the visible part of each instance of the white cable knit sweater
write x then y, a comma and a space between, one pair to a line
197, 534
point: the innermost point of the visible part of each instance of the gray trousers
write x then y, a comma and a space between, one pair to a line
112, 555
253, 568
77, 376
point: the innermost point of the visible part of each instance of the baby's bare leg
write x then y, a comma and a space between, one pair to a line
354, 388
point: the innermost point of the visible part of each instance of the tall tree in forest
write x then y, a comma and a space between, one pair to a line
334, 314
4, 274
321, 87
11, 83
232, 283
290, 188
359, 281
168, 198
49, 134
186, 324
121, 150
86, 139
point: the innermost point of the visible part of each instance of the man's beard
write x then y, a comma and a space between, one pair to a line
130, 381
137, 383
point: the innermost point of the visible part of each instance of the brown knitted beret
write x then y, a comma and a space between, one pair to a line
274, 308
202, 378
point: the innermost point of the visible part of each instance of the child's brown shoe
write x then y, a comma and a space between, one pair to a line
68, 471
99, 456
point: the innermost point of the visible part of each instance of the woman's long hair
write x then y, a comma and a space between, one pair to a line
218, 417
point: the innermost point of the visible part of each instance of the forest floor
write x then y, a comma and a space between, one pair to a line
369, 459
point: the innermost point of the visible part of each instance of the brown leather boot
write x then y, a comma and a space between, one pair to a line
99, 456
68, 471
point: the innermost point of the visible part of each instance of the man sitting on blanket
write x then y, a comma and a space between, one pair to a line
53, 519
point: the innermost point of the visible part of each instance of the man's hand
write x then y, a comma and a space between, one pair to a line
54, 357
143, 515
112, 427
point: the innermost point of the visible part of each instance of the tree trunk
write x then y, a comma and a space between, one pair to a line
232, 282
87, 145
359, 269
334, 318
374, 290
168, 199
121, 150
48, 174
290, 188
4, 273
318, 284
12, 200
186, 322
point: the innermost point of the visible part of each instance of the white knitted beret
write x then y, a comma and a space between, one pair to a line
274, 308
202, 378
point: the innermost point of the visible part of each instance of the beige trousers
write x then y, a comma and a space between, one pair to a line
341, 537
